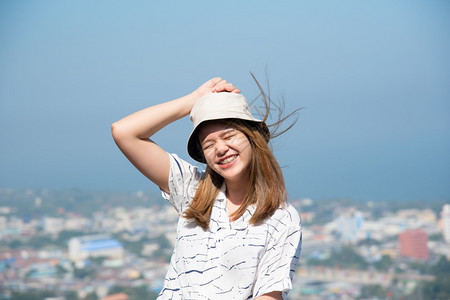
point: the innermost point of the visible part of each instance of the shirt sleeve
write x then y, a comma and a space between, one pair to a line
183, 182
279, 261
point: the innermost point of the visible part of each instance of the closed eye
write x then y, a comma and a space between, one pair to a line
229, 134
229, 137
207, 146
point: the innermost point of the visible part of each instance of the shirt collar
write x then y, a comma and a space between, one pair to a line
222, 196
220, 214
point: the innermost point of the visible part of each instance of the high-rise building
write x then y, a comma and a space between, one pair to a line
445, 222
349, 226
414, 244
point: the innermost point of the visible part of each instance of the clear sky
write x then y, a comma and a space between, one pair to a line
373, 76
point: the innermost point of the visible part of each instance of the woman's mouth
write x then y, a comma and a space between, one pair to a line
227, 161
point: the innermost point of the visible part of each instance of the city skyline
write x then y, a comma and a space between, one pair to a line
353, 248
372, 78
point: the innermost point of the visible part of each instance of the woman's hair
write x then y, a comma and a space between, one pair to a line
266, 189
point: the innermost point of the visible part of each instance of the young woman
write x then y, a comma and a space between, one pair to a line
237, 237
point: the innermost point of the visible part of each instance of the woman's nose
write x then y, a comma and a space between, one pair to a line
221, 147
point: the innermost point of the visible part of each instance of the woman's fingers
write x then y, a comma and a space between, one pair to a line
224, 86
215, 81
216, 85
207, 87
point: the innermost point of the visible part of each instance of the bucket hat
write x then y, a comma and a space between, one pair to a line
217, 106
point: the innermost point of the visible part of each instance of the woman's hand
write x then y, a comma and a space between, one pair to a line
132, 133
271, 296
216, 85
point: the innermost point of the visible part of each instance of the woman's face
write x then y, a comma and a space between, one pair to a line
227, 150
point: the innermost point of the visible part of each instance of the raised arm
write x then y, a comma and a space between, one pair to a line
132, 133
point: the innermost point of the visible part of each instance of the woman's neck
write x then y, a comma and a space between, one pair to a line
235, 192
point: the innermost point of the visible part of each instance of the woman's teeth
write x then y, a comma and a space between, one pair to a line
228, 160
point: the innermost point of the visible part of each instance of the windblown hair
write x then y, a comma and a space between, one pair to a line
266, 188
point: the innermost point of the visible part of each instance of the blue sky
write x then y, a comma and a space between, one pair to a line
373, 77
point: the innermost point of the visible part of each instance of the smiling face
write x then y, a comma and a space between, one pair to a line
226, 150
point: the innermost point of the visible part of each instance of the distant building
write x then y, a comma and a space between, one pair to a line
120, 296
414, 244
349, 226
81, 248
417, 215
53, 225
445, 222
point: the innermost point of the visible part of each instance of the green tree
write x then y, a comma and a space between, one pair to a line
372, 291
39, 241
384, 264
135, 293
31, 295
91, 296
14, 244
345, 257
439, 288
84, 272
72, 295
442, 267
65, 235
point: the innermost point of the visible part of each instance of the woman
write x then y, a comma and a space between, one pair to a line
237, 237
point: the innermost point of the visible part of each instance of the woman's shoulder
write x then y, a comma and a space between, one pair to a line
179, 166
285, 216
183, 182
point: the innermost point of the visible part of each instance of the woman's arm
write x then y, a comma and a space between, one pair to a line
270, 296
132, 133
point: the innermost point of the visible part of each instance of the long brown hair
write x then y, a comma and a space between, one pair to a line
266, 188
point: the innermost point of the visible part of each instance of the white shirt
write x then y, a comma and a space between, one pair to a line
231, 260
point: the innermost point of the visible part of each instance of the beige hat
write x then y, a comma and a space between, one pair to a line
216, 106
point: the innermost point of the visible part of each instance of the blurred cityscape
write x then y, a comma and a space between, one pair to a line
75, 244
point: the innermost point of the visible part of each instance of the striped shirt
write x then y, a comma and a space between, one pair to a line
230, 260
